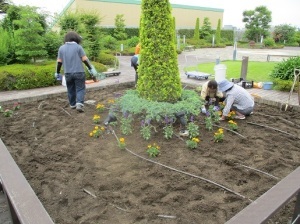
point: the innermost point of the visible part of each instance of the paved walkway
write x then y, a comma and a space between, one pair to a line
187, 58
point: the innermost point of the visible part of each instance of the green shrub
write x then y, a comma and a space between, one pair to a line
29, 76
109, 42
285, 69
269, 42
20, 76
284, 85
200, 43
132, 42
106, 59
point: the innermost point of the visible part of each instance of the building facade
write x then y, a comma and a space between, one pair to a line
185, 15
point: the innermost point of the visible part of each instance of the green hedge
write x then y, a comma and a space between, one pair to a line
30, 76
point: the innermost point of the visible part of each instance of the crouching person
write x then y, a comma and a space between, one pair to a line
237, 99
211, 95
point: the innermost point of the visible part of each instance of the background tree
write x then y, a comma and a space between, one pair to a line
159, 78
297, 37
174, 25
68, 22
13, 13
4, 5
206, 29
257, 22
218, 33
284, 32
119, 32
53, 40
86, 25
5, 44
197, 30
90, 33
29, 37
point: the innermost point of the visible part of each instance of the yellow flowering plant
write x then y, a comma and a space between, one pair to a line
111, 101
96, 119
100, 107
232, 125
231, 115
219, 135
97, 131
153, 150
122, 143
192, 143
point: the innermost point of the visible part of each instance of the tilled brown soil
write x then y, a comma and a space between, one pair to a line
51, 144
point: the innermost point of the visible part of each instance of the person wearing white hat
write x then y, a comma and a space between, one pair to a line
237, 99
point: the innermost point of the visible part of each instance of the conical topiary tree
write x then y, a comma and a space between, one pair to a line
218, 33
197, 30
159, 78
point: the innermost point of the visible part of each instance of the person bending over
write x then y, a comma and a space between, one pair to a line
237, 99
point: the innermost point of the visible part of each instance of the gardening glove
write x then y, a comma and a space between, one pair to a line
216, 108
93, 72
58, 76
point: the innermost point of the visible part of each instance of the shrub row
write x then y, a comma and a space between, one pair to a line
29, 76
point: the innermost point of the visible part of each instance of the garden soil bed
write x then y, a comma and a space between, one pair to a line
51, 144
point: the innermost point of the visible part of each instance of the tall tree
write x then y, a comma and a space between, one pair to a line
197, 30
257, 22
5, 46
159, 78
119, 31
4, 5
283, 33
206, 29
90, 34
29, 37
218, 33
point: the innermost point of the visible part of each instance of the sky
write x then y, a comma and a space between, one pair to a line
286, 12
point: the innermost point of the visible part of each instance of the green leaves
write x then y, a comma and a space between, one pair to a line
189, 102
159, 78
285, 69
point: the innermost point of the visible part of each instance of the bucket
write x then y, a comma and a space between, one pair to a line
220, 72
267, 85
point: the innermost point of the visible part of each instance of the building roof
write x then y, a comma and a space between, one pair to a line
138, 2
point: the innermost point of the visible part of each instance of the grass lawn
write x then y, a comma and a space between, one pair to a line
257, 71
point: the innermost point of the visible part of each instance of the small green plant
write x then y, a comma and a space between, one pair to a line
100, 107
122, 143
16, 106
153, 150
168, 131
193, 130
208, 123
8, 113
97, 131
96, 119
232, 125
219, 135
192, 143
146, 129
126, 127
